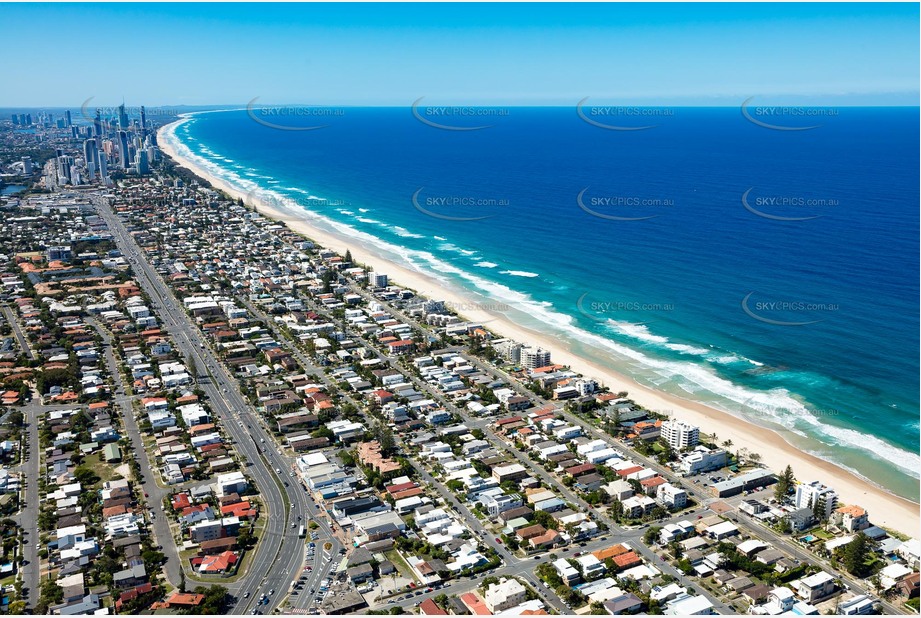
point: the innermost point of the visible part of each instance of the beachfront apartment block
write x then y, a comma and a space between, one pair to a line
817, 497
532, 358
377, 280
851, 518
680, 435
508, 349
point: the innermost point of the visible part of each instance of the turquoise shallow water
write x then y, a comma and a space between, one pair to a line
772, 274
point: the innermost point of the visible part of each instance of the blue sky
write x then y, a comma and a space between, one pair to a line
471, 54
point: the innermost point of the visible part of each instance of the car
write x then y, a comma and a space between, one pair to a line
246, 596
145, 495
538, 557
429, 589
498, 540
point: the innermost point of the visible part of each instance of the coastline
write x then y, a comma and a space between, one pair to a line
884, 508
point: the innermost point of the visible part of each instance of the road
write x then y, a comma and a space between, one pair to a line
752, 528
483, 535
153, 493
279, 552
514, 565
27, 518
619, 534
13, 319
227, 392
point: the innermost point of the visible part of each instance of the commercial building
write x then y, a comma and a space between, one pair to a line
743, 482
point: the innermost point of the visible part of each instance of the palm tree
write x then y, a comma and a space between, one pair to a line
727, 444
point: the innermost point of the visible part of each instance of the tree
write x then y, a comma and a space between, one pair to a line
784, 483
192, 367
818, 508
617, 510
384, 435
215, 601
50, 594
855, 555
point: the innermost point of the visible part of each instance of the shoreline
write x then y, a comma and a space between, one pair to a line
884, 508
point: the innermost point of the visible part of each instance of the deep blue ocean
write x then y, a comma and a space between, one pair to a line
771, 273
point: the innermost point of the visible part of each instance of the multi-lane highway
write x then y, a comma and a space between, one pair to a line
280, 557
280, 552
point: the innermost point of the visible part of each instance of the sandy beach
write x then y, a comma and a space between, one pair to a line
884, 508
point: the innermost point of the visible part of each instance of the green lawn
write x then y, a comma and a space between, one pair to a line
96, 463
394, 556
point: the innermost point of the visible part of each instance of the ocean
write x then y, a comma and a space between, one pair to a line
718, 256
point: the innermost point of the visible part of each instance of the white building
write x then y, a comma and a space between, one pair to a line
231, 483
809, 494
672, 497
679, 434
702, 459
568, 573
532, 358
507, 593
377, 280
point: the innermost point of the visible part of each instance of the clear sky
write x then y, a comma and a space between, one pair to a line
463, 54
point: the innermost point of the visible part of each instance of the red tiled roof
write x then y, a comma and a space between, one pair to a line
627, 560
185, 598
430, 608
474, 604
181, 501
